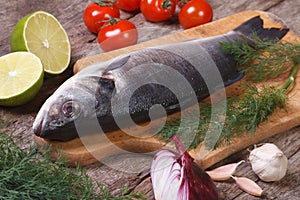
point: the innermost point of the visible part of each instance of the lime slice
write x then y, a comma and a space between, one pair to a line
21, 77
42, 34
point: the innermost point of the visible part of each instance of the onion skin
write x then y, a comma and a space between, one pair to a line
176, 177
200, 184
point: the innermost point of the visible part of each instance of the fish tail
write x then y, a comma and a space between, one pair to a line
254, 27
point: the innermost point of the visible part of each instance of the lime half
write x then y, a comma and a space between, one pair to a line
42, 34
21, 77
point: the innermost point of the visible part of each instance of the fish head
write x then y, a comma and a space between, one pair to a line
56, 120
77, 101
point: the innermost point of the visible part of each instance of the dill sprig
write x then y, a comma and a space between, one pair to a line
27, 175
267, 60
255, 107
244, 114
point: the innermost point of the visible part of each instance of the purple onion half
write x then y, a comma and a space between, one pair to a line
176, 177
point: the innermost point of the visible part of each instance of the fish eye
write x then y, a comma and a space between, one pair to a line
71, 109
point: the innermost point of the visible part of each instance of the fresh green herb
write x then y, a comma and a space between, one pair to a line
171, 127
289, 83
253, 108
27, 175
267, 60
245, 113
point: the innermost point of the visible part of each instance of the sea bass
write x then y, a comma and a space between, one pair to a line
174, 76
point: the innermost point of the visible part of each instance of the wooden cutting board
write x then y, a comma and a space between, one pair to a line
281, 120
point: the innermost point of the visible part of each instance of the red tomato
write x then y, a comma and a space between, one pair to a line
95, 15
129, 5
194, 13
117, 33
157, 10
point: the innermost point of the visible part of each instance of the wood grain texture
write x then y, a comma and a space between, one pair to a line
278, 122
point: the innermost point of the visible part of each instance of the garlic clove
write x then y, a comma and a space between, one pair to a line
248, 186
224, 172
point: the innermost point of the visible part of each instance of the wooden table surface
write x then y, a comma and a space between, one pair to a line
84, 43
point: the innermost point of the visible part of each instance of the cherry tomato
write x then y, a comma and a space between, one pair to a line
117, 33
96, 13
129, 5
157, 10
194, 13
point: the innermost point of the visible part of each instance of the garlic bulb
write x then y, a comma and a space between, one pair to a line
268, 162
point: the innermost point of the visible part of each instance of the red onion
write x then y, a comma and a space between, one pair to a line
176, 177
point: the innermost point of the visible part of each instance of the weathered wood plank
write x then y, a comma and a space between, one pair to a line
289, 11
223, 9
145, 187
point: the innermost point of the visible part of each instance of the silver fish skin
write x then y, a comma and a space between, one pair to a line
100, 89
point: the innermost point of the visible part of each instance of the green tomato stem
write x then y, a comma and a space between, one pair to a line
105, 2
166, 4
183, 2
113, 21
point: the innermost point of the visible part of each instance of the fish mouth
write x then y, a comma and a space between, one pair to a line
59, 134
37, 127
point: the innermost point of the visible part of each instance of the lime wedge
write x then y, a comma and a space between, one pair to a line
42, 34
21, 77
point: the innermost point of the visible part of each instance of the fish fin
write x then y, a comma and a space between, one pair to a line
119, 62
254, 27
106, 83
